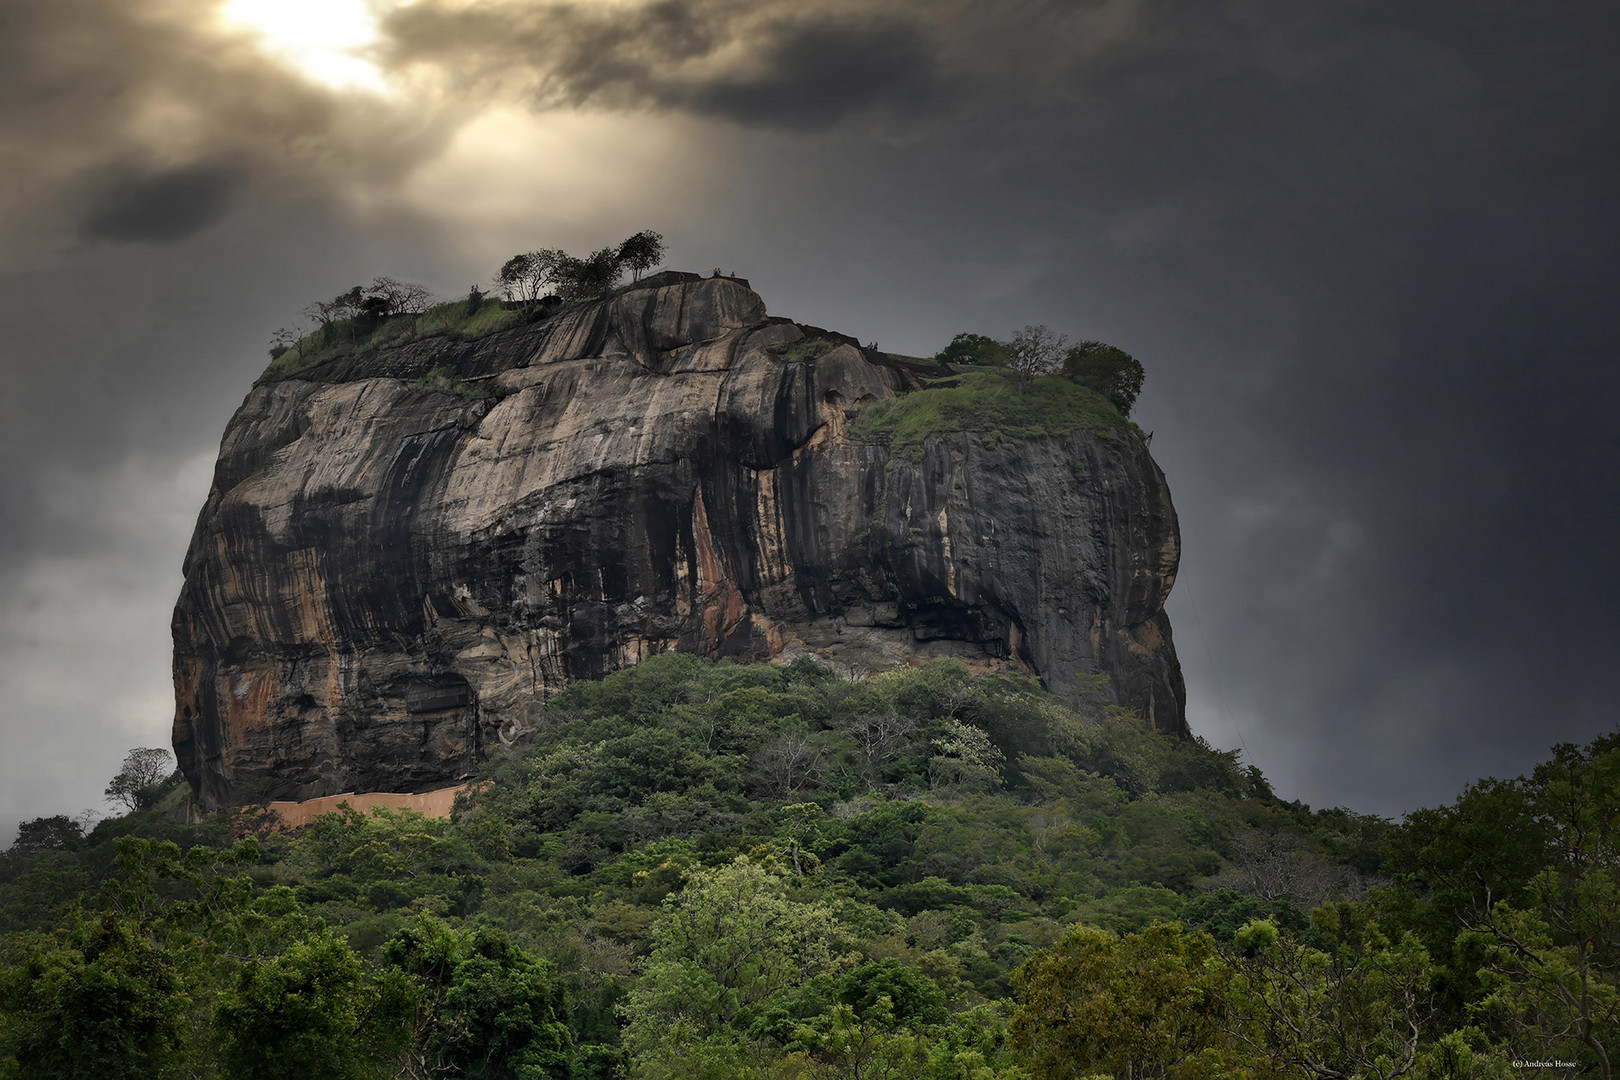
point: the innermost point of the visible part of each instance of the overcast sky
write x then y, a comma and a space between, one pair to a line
1369, 252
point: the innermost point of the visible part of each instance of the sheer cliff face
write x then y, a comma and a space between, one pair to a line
389, 579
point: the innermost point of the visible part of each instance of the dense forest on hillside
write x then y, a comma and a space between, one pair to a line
721, 870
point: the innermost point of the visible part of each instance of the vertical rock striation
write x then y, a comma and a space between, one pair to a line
388, 578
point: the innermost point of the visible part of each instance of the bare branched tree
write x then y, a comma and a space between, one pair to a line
790, 763
1280, 865
283, 340
534, 274
1035, 350
137, 784
394, 297
324, 314
879, 738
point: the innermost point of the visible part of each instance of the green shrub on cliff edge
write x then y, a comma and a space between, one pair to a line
1112, 372
1036, 350
991, 404
803, 350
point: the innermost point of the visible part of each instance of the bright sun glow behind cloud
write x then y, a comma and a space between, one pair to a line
323, 39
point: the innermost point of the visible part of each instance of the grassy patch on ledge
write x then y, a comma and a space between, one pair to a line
803, 350
352, 337
445, 380
989, 403
453, 321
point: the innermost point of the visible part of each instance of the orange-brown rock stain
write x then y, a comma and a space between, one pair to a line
719, 600
249, 696
1144, 640
774, 568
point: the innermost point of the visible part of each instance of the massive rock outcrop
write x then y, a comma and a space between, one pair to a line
393, 572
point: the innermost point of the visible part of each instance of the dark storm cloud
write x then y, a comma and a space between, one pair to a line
773, 64
1370, 253
120, 116
162, 207
812, 74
